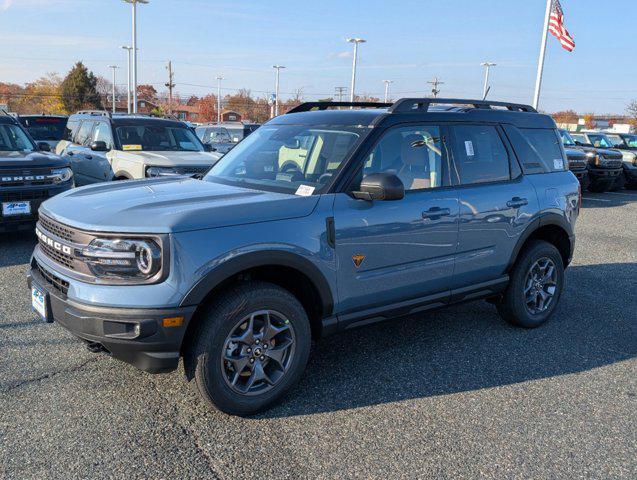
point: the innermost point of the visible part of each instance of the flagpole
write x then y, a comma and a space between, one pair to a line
540, 62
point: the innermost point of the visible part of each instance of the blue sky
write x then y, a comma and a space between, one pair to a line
409, 42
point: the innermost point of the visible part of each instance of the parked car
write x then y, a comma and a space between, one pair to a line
577, 158
627, 144
45, 128
392, 211
103, 147
604, 163
238, 130
217, 137
29, 174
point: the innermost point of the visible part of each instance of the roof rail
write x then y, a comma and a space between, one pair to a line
101, 113
307, 106
422, 104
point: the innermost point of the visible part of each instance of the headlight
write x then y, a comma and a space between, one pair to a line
124, 259
61, 175
160, 171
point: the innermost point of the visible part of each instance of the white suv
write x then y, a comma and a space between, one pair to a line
102, 147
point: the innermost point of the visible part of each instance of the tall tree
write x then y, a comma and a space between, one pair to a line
207, 108
79, 89
43, 96
147, 92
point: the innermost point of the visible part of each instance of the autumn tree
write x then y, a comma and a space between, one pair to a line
241, 102
147, 92
366, 98
208, 108
631, 109
10, 94
566, 116
589, 120
79, 89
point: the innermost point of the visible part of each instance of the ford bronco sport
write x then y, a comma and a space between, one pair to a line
103, 147
381, 211
29, 174
604, 162
577, 158
627, 144
45, 128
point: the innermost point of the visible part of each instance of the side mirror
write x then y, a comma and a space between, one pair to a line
99, 146
380, 186
578, 143
44, 147
209, 148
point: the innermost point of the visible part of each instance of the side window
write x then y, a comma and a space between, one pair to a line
546, 144
84, 133
70, 130
479, 155
102, 133
416, 154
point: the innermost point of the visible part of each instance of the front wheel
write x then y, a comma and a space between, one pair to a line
535, 286
251, 348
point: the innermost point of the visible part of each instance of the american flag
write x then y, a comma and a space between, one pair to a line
557, 28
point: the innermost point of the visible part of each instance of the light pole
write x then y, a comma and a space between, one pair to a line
114, 67
128, 72
487, 66
219, 99
134, 47
276, 89
355, 41
387, 83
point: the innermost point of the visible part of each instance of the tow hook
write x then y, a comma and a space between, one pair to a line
95, 347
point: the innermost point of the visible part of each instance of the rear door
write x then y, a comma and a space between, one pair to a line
97, 166
497, 202
393, 251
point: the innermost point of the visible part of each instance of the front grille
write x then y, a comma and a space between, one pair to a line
577, 164
59, 257
193, 170
19, 177
52, 279
58, 229
23, 195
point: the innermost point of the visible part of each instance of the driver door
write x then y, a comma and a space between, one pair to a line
394, 251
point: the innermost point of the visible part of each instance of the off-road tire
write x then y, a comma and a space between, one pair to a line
218, 320
513, 307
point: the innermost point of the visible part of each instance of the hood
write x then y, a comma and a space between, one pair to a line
606, 152
30, 160
574, 153
165, 205
172, 159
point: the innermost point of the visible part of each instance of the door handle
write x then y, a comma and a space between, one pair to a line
70, 154
435, 213
517, 202
88, 157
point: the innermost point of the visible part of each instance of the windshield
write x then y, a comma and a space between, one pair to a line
616, 140
631, 140
578, 137
45, 128
158, 138
567, 140
600, 141
213, 135
13, 139
282, 158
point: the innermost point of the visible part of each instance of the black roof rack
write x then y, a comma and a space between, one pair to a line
307, 106
422, 104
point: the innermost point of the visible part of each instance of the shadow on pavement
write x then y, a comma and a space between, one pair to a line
469, 347
16, 248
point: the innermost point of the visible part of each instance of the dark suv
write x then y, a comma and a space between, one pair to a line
577, 158
627, 144
29, 174
604, 163
321, 221
45, 128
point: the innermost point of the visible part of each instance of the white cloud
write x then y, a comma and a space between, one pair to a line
6, 4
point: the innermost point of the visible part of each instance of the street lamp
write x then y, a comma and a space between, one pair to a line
276, 89
487, 66
219, 99
114, 67
128, 72
134, 47
387, 83
355, 41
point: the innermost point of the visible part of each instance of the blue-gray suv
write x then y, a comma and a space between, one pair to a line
333, 216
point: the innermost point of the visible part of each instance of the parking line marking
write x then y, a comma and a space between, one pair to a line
596, 199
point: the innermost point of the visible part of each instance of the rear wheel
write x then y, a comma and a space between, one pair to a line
251, 349
535, 286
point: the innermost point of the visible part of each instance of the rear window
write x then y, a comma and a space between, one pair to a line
546, 144
45, 128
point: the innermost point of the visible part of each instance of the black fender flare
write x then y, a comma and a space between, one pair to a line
249, 260
543, 220
122, 173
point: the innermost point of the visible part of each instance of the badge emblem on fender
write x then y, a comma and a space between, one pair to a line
358, 259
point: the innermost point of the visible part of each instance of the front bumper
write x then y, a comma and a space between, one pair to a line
630, 174
604, 174
34, 194
133, 335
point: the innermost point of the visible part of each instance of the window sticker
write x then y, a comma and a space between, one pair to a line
468, 146
558, 164
305, 190
131, 147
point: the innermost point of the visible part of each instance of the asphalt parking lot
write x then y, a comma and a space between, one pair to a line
455, 394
